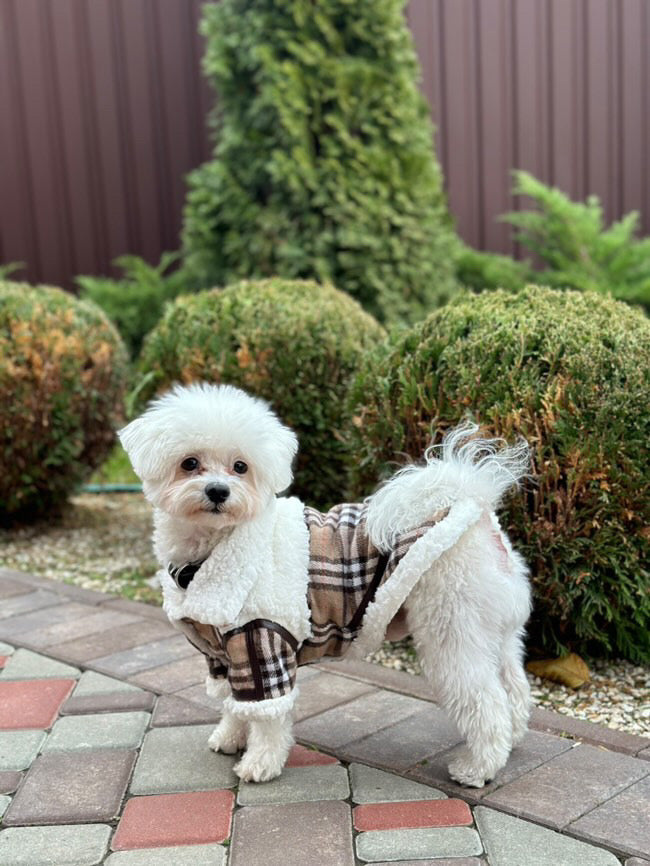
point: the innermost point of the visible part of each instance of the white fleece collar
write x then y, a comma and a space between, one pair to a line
259, 570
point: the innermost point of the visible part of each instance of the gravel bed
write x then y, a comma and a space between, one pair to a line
104, 543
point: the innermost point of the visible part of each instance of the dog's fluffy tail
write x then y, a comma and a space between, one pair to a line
463, 467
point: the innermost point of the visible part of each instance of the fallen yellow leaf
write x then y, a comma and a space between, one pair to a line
569, 670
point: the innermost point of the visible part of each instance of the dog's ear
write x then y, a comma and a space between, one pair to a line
139, 440
286, 448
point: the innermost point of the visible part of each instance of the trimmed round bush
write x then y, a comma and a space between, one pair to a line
63, 373
294, 343
571, 373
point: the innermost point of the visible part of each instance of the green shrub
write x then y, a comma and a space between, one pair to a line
479, 271
570, 372
294, 343
135, 302
324, 165
62, 378
577, 249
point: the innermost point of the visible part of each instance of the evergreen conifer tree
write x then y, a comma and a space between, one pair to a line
324, 164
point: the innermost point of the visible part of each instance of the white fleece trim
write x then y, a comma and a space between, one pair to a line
416, 561
258, 571
271, 708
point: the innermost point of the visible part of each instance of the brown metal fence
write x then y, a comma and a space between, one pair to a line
103, 106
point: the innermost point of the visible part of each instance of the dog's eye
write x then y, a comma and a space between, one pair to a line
190, 464
240, 467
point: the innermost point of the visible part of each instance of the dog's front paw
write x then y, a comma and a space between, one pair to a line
464, 770
256, 767
227, 739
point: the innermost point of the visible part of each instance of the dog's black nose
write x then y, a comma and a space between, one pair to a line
217, 493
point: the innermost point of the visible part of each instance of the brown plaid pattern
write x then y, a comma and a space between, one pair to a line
260, 659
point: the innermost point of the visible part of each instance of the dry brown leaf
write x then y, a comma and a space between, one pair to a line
569, 670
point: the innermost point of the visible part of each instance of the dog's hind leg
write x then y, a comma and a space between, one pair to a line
466, 682
515, 682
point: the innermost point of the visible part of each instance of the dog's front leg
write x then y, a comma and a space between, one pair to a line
269, 742
230, 734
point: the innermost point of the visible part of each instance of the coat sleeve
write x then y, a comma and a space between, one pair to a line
262, 662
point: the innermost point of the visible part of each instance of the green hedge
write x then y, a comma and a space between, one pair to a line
324, 165
571, 372
296, 344
63, 371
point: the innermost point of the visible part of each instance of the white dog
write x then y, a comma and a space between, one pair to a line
260, 583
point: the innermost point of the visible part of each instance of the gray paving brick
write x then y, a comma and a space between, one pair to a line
198, 695
149, 611
455, 861
356, 719
83, 845
6, 649
645, 754
92, 683
622, 822
637, 861
93, 622
147, 655
298, 834
569, 785
173, 676
172, 711
587, 732
4, 802
10, 588
379, 676
402, 745
181, 855
113, 640
37, 620
102, 731
323, 691
26, 665
72, 787
417, 844
376, 786
298, 785
25, 603
9, 781
510, 840
119, 702
179, 759
19, 748
537, 748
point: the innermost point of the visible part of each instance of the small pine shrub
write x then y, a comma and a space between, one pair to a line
479, 271
570, 372
577, 249
324, 165
63, 371
135, 302
296, 344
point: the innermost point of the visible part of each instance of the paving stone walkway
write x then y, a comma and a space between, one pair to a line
103, 759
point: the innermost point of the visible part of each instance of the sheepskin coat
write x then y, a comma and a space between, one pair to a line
293, 586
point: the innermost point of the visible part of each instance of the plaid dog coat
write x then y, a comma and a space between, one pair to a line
345, 571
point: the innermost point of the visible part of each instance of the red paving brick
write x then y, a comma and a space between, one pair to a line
32, 703
175, 819
3, 661
299, 756
419, 813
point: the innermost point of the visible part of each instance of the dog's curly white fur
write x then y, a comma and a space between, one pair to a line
213, 459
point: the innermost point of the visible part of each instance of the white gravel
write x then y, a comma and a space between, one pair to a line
104, 543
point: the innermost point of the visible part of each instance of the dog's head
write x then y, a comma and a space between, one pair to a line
210, 453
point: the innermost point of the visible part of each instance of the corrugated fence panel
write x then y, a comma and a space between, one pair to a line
103, 110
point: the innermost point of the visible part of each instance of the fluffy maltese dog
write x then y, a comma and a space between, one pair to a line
260, 583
